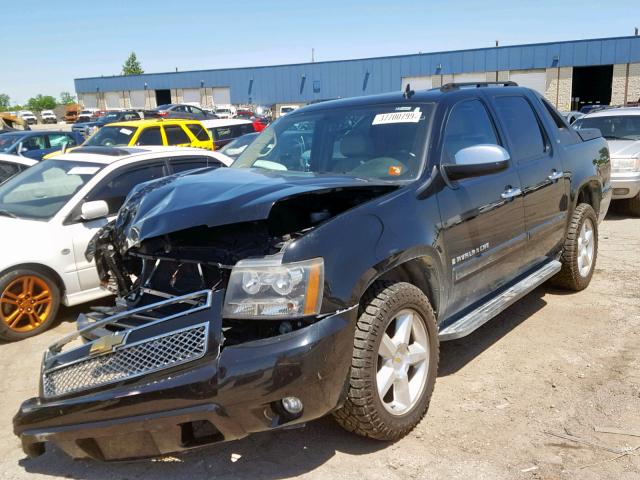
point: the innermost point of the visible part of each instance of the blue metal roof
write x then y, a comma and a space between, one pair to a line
306, 82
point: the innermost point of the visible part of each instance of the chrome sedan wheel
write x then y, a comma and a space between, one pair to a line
586, 248
403, 362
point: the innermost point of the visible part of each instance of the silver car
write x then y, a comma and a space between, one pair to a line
621, 128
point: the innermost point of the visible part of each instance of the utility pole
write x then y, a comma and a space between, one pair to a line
313, 55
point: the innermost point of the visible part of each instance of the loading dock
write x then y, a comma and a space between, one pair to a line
591, 86
163, 97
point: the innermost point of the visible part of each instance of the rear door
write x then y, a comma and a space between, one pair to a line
539, 163
483, 217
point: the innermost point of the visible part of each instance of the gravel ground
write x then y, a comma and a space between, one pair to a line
555, 362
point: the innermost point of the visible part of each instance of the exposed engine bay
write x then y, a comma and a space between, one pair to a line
202, 257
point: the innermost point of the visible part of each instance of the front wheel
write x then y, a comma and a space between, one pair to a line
394, 364
29, 301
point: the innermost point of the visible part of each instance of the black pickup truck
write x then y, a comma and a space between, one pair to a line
319, 273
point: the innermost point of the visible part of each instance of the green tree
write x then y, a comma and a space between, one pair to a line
5, 101
132, 66
66, 98
42, 102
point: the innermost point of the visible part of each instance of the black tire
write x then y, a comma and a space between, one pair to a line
363, 412
569, 277
33, 305
633, 205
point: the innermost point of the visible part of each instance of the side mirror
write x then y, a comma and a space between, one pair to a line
95, 209
476, 161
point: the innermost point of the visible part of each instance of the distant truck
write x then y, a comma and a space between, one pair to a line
47, 116
71, 113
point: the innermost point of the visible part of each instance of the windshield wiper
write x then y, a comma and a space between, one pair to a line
6, 213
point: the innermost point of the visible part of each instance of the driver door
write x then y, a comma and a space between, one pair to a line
483, 216
113, 189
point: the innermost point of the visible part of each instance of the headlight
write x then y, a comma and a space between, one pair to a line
625, 165
267, 288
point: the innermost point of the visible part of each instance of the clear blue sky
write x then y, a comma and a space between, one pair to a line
45, 44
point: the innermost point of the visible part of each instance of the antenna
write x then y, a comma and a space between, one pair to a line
408, 93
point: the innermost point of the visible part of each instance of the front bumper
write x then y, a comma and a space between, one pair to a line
218, 397
625, 185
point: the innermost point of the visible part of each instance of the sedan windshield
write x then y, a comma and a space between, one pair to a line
8, 140
42, 190
111, 137
619, 127
383, 142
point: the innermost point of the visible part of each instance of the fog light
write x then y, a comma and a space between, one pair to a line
292, 405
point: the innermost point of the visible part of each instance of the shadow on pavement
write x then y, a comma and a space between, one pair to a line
262, 456
455, 354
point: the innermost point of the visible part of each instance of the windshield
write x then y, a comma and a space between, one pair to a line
8, 140
42, 190
109, 118
619, 127
234, 148
382, 141
111, 137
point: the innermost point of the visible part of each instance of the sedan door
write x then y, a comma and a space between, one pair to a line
544, 184
113, 189
483, 216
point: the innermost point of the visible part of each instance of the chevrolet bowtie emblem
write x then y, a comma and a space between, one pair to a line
106, 344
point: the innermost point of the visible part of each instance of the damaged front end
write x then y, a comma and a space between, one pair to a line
214, 334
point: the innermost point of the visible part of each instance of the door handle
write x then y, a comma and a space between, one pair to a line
510, 193
555, 175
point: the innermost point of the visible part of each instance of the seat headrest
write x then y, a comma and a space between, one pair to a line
355, 145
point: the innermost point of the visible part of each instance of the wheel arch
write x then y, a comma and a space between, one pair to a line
41, 268
589, 192
422, 270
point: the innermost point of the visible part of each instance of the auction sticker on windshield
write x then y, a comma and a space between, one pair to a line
83, 170
126, 131
397, 117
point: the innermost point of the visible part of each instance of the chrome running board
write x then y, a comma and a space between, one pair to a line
485, 312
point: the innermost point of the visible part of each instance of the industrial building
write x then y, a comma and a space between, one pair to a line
569, 73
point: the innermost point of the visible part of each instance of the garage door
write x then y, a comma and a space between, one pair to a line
191, 95
112, 99
221, 95
137, 98
89, 100
470, 77
417, 83
534, 79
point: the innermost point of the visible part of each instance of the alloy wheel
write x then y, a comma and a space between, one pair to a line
26, 303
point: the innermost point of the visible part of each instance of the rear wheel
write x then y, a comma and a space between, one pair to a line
394, 365
580, 250
29, 302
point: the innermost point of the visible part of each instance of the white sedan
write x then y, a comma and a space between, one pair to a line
11, 165
50, 212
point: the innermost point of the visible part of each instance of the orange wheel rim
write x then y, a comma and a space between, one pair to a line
26, 303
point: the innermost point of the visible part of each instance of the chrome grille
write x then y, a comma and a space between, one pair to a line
127, 362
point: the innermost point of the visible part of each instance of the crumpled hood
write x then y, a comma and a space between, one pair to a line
215, 197
623, 148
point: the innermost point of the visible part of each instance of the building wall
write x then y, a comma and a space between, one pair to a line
626, 84
558, 90
348, 78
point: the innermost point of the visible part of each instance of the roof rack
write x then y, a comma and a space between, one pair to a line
447, 87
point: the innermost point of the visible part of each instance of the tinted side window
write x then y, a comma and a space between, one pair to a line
469, 124
116, 188
222, 133
8, 170
150, 136
56, 140
245, 128
175, 135
198, 131
34, 143
522, 127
